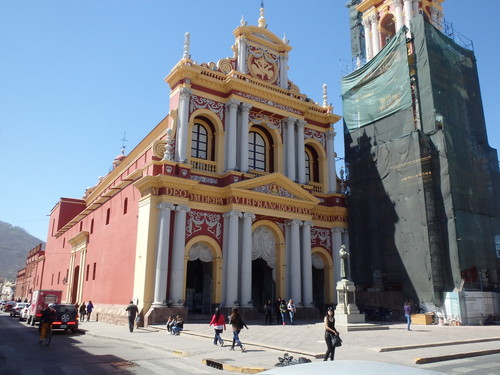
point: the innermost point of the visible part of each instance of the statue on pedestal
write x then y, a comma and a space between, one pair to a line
343, 266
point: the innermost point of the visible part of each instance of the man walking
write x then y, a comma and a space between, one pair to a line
132, 312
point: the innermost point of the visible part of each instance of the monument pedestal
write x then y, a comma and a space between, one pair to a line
347, 312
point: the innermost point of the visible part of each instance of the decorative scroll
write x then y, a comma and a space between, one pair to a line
274, 189
203, 221
198, 102
314, 134
200, 251
317, 262
321, 237
159, 147
270, 122
264, 245
224, 65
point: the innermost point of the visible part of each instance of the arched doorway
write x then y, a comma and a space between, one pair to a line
263, 285
199, 279
74, 286
318, 274
263, 266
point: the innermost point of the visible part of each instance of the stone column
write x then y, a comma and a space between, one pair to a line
408, 14
232, 258
284, 71
368, 39
290, 139
307, 286
246, 260
160, 292
242, 55
231, 138
295, 266
301, 157
330, 155
245, 110
177, 266
375, 34
182, 125
398, 4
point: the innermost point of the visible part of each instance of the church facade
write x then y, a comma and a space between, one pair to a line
231, 200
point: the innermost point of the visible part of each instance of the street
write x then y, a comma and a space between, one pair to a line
79, 354
110, 349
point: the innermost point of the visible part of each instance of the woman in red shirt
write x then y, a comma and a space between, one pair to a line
219, 323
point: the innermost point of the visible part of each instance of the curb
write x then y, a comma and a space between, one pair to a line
449, 357
226, 367
449, 343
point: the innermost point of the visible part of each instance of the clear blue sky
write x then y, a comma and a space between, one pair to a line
76, 75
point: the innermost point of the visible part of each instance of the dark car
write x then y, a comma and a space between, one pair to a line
8, 306
67, 318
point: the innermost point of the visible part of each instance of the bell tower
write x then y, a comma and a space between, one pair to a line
378, 21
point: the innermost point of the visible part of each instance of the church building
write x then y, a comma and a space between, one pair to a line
231, 200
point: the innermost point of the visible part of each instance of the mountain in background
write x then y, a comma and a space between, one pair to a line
15, 244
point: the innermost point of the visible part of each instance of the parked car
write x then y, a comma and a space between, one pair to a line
67, 317
24, 313
8, 306
18, 307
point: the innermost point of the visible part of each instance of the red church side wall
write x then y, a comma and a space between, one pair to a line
112, 249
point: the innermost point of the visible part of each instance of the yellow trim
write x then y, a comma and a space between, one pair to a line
217, 264
253, 34
328, 273
322, 159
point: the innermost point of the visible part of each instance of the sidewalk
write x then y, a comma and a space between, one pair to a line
265, 344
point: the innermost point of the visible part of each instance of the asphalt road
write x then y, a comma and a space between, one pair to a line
79, 354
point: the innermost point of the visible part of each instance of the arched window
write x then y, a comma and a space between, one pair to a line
312, 164
257, 158
199, 142
308, 166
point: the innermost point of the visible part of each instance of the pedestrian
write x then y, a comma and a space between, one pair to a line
83, 311
407, 312
49, 315
170, 323
219, 323
330, 332
178, 326
237, 324
277, 305
132, 311
291, 310
90, 307
268, 310
283, 311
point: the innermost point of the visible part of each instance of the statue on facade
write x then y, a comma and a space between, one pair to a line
343, 266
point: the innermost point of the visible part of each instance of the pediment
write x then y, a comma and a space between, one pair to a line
264, 37
275, 184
